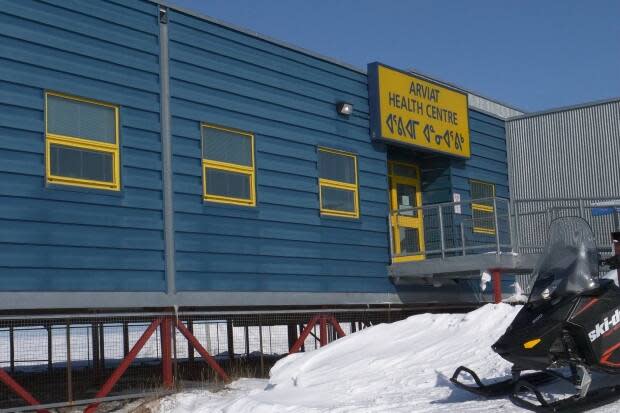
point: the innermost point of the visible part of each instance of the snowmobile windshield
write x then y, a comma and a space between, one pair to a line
569, 264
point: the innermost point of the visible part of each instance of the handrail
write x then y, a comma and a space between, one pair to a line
448, 229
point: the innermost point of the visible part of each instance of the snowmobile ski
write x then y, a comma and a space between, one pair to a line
572, 404
501, 388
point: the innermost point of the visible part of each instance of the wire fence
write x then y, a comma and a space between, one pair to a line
70, 359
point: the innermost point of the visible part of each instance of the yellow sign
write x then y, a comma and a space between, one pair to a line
413, 111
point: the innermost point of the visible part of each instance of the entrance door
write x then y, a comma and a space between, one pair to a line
406, 219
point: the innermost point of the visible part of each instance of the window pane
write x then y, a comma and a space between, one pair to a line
483, 219
404, 170
336, 167
230, 184
409, 240
80, 119
337, 199
224, 146
80, 163
482, 190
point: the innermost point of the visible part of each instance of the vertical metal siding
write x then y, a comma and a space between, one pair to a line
568, 154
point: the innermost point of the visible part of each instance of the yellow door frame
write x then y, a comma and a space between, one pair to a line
398, 221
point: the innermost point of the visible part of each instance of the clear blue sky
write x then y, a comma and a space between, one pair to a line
532, 54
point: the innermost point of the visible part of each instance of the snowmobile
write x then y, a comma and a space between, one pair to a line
568, 329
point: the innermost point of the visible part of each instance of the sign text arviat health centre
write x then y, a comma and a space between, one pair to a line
413, 111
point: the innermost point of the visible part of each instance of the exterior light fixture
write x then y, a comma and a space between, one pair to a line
344, 108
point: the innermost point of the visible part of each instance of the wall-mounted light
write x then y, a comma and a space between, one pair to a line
345, 108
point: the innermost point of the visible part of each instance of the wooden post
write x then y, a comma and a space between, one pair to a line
69, 366
125, 338
12, 348
230, 337
96, 348
190, 347
49, 347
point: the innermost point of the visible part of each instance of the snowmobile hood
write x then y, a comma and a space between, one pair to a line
534, 331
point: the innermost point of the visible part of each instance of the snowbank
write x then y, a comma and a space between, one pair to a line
399, 367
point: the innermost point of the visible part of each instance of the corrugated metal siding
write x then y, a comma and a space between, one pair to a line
287, 99
567, 154
59, 239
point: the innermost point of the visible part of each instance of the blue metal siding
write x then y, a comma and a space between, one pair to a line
488, 160
62, 238
288, 100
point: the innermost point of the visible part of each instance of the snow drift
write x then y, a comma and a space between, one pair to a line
398, 367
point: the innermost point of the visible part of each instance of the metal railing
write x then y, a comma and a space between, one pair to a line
491, 225
451, 229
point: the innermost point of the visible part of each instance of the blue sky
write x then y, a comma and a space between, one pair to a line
532, 54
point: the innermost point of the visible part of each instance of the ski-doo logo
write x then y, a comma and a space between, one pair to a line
608, 323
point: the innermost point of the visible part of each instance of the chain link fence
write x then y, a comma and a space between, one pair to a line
54, 361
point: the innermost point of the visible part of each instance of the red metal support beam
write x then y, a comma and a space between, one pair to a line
201, 350
497, 286
302, 337
120, 370
19, 390
323, 331
336, 325
166, 352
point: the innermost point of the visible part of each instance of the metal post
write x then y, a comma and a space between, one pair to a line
581, 209
496, 225
463, 238
517, 227
441, 232
247, 341
497, 286
69, 367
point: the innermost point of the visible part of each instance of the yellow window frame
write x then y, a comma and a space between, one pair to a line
86, 144
329, 183
490, 229
249, 171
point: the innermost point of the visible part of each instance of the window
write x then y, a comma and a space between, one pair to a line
81, 142
483, 213
228, 166
338, 188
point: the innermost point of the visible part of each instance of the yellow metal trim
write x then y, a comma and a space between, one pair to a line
406, 221
346, 186
406, 164
88, 144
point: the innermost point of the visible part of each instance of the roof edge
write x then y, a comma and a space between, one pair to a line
257, 35
565, 108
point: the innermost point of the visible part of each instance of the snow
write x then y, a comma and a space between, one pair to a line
400, 367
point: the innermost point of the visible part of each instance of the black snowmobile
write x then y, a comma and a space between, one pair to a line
569, 328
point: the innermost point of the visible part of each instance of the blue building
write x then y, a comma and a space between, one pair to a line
150, 157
